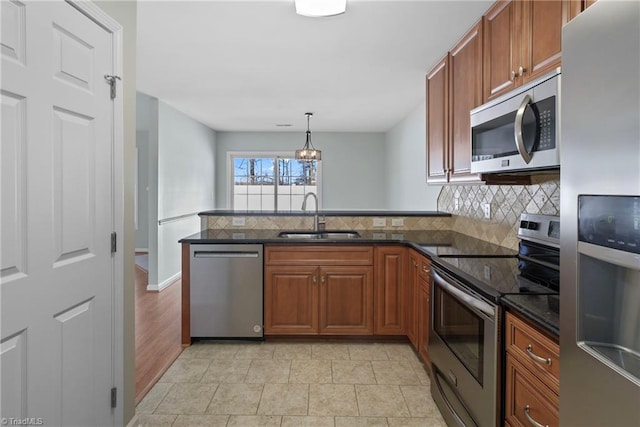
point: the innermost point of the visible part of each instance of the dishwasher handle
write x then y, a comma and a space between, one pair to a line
225, 254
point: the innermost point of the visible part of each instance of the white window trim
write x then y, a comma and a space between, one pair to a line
256, 154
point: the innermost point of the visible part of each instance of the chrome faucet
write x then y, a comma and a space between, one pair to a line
317, 224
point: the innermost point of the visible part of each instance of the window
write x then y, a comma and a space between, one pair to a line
272, 182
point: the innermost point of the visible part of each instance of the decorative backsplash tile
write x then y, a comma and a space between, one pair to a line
305, 222
507, 203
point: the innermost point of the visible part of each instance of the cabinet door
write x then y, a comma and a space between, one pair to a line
438, 122
424, 318
465, 93
527, 399
291, 300
542, 22
388, 290
502, 51
346, 300
411, 299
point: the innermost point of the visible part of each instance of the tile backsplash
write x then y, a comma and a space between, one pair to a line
507, 203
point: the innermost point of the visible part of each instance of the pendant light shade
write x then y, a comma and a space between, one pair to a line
308, 151
320, 8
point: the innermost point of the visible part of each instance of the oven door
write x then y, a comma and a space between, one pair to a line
463, 350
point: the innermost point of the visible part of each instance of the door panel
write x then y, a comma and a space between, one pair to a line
346, 300
14, 202
291, 300
57, 208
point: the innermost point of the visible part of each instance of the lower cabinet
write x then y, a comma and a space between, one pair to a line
424, 319
411, 298
417, 303
311, 290
532, 375
389, 284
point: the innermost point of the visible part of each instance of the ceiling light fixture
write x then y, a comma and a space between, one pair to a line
320, 8
308, 152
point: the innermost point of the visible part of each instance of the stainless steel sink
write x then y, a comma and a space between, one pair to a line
329, 235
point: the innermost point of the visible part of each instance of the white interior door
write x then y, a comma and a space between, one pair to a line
57, 270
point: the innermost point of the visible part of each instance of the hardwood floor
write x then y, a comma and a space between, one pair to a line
158, 331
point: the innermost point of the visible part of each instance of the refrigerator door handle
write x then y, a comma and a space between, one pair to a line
517, 129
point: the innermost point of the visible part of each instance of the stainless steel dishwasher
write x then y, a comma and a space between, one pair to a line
226, 291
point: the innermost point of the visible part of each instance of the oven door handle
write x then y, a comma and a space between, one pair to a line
469, 299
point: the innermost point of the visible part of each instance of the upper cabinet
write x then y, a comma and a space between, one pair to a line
454, 87
522, 41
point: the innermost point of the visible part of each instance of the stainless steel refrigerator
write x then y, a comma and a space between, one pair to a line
600, 210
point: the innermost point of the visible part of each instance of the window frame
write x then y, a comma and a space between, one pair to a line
231, 155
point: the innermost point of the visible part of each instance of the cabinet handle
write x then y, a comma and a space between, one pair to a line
521, 71
537, 358
321, 279
315, 279
513, 75
425, 270
530, 418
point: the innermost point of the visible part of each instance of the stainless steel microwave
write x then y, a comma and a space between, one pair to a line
519, 131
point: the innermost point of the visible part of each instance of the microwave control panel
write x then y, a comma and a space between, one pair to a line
546, 123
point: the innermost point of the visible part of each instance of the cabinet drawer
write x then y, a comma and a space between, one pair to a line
534, 350
527, 399
318, 255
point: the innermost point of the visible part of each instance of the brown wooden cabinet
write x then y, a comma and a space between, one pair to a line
390, 272
411, 307
454, 88
424, 310
522, 41
318, 289
291, 300
532, 375
346, 300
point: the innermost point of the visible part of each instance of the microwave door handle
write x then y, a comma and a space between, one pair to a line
518, 129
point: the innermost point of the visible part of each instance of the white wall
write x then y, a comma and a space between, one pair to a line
186, 184
343, 162
181, 182
406, 162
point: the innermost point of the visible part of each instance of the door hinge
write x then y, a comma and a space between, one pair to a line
114, 242
111, 79
114, 397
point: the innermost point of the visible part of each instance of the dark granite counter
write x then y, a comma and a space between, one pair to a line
541, 309
224, 212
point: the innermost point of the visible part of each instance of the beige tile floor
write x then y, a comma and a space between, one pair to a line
292, 384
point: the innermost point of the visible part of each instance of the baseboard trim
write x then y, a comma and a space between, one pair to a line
165, 283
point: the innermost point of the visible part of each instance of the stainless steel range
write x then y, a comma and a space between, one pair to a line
464, 343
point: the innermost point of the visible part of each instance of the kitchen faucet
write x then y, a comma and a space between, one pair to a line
317, 224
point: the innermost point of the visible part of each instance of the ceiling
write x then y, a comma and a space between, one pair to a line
251, 65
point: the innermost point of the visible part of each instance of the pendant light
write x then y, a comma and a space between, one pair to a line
308, 152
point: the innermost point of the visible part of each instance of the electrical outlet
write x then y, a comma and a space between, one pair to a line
238, 221
379, 236
379, 222
487, 272
487, 210
397, 222
456, 203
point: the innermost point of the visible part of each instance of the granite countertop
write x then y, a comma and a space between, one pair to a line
226, 212
542, 309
